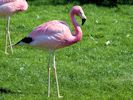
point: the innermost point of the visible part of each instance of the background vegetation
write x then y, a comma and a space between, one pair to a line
100, 67
98, 2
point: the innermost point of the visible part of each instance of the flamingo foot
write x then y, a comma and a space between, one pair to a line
6, 53
59, 96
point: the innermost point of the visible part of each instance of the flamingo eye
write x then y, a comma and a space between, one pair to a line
80, 13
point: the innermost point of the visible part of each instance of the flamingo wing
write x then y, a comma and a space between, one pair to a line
52, 28
6, 1
51, 35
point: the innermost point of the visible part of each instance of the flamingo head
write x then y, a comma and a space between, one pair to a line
77, 10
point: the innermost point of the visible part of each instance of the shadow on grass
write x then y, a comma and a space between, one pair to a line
9, 91
5, 91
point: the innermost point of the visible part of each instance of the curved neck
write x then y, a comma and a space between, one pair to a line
77, 30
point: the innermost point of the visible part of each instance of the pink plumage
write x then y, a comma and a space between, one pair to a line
8, 8
6, 1
53, 35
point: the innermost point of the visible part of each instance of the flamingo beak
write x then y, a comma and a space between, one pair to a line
83, 17
83, 21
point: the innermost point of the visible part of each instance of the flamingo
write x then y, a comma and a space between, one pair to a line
53, 35
8, 8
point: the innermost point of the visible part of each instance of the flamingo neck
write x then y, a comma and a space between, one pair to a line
77, 30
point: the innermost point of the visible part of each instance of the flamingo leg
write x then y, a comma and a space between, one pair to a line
8, 36
56, 78
6, 44
49, 75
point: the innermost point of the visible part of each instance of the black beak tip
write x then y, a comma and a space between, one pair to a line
83, 21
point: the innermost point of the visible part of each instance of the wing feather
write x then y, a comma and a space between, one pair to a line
6, 1
51, 28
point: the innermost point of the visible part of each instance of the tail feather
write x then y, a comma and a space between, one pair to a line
26, 40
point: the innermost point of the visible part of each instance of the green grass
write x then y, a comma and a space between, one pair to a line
88, 70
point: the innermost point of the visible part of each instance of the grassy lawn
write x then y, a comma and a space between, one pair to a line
100, 67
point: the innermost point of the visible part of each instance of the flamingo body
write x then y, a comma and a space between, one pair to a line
8, 8
52, 35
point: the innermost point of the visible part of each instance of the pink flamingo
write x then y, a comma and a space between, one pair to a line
8, 8
54, 35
